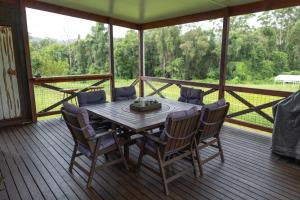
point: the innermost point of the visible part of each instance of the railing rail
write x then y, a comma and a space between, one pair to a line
236, 94
71, 78
258, 91
180, 82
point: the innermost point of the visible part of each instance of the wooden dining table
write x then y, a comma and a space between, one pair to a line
119, 113
136, 122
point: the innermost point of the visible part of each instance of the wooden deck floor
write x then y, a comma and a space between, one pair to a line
34, 161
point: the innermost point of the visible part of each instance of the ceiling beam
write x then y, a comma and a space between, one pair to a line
9, 2
260, 6
185, 19
264, 5
78, 13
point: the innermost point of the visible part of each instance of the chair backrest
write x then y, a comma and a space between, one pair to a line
211, 121
91, 98
191, 95
124, 93
77, 121
180, 129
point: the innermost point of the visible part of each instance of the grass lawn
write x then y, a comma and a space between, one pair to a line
45, 97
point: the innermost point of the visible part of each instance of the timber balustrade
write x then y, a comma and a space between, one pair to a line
51, 92
179, 83
249, 107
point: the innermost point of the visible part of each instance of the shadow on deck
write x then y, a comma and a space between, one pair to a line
34, 160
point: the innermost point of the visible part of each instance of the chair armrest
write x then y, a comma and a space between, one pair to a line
100, 121
155, 139
99, 135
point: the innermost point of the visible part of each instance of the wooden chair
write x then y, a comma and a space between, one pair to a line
91, 98
89, 143
211, 122
191, 95
174, 143
94, 98
124, 93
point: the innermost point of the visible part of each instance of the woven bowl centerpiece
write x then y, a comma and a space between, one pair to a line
142, 105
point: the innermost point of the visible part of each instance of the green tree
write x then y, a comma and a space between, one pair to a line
194, 47
280, 61
294, 47
126, 55
151, 53
168, 45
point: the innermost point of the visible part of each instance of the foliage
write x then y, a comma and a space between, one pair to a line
126, 55
187, 52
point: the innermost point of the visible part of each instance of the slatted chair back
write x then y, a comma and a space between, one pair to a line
180, 132
91, 98
79, 128
212, 121
191, 95
124, 93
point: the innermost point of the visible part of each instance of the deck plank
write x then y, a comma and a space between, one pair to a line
34, 160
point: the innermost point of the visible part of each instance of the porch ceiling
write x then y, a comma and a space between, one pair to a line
145, 11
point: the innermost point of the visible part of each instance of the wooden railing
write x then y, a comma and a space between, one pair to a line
258, 101
50, 92
179, 83
250, 107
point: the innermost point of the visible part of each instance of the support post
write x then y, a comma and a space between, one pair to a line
141, 62
111, 60
27, 60
224, 52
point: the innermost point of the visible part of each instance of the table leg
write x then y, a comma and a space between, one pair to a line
126, 146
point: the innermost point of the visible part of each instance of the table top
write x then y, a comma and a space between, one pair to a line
121, 114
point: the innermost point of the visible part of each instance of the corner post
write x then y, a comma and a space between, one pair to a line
27, 60
111, 60
224, 54
141, 62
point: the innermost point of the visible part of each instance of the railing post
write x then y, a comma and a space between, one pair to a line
224, 51
111, 60
141, 62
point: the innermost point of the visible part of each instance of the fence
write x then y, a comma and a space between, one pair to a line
51, 92
249, 107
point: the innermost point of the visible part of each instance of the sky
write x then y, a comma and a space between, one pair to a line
45, 24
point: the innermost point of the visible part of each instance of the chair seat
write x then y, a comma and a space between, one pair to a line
150, 145
100, 124
106, 141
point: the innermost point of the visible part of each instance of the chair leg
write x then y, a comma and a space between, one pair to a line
92, 170
120, 151
126, 152
140, 160
220, 149
162, 172
194, 162
73, 158
126, 146
199, 161
64, 96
